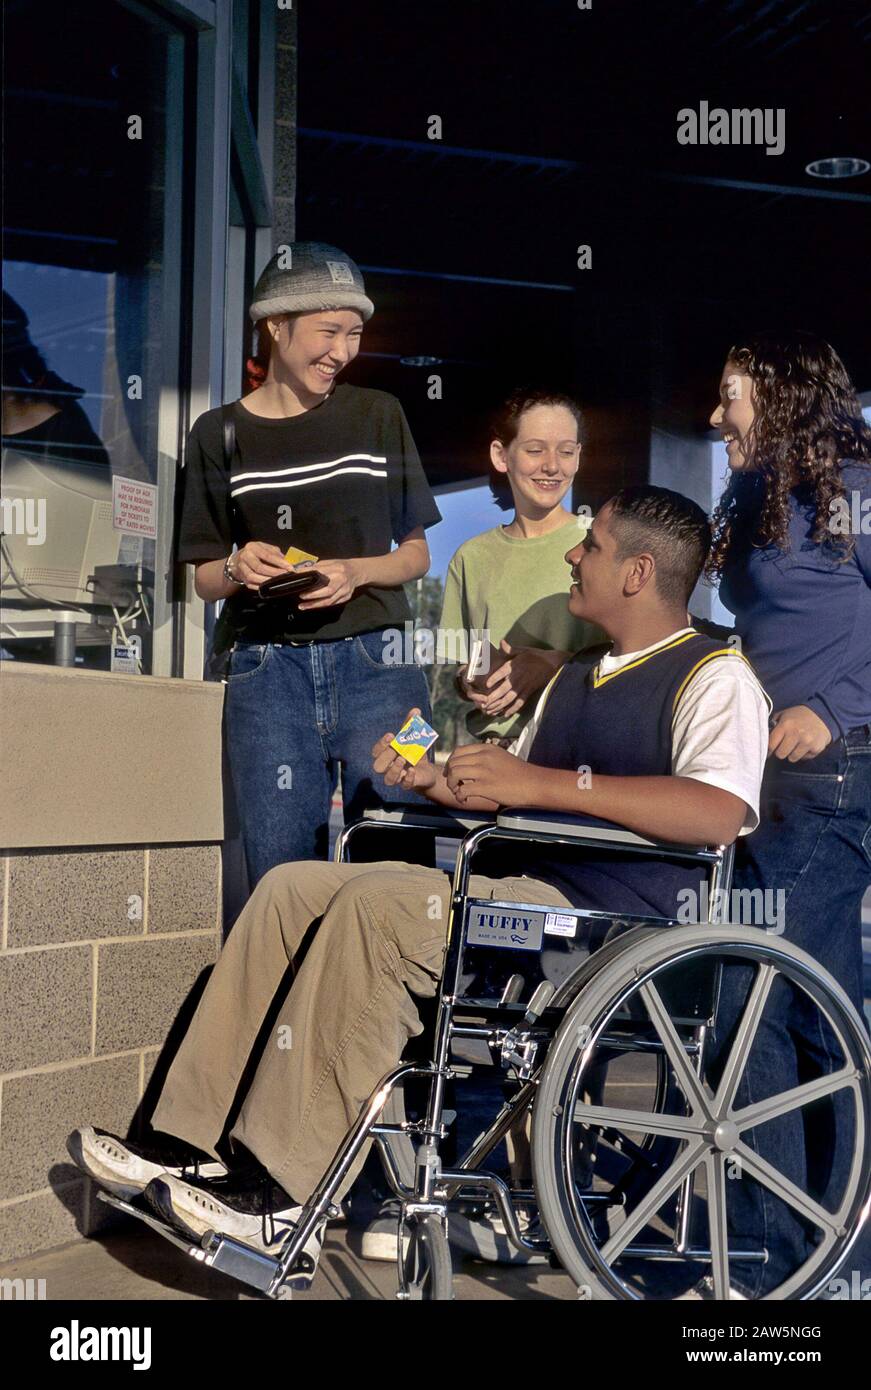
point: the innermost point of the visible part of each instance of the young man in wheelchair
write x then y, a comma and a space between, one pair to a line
664, 733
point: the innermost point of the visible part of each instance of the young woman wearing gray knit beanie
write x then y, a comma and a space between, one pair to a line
307, 464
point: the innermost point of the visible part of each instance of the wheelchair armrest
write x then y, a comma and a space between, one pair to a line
450, 824
581, 829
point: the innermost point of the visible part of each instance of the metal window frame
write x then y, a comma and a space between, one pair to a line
204, 364
219, 264
206, 274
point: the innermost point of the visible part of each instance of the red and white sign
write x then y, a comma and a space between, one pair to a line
134, 507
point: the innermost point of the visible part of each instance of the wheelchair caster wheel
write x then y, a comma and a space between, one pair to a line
425, 1270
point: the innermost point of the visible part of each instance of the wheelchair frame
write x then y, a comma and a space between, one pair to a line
512, 1031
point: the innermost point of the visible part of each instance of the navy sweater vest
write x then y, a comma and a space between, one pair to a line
619, 725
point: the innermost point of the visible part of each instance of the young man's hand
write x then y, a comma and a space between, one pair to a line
469, 691
394, 768
510, 686
483, 770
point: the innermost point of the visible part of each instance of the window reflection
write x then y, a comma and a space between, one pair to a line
90, 247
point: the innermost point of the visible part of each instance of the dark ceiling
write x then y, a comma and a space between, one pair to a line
559, 129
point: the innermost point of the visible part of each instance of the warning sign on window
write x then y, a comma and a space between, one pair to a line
134, 507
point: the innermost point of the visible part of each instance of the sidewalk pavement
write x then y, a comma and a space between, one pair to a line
140, 1266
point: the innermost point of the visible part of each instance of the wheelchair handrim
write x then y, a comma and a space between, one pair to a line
566, 1065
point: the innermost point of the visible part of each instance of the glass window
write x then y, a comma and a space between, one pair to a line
92, 309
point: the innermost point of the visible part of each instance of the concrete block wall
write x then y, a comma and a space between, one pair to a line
100, 948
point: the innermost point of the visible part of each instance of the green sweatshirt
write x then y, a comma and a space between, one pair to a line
519, 590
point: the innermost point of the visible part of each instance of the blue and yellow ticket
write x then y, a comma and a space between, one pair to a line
414, 740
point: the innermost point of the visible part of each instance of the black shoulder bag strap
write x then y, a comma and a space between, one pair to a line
228, 422
218, 664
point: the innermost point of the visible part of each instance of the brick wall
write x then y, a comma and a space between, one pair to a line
100, 949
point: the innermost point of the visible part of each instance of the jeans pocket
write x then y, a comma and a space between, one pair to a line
247, 660
383, 651
819, 792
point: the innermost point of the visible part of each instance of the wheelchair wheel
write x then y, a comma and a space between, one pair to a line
678, 1227
425, 1270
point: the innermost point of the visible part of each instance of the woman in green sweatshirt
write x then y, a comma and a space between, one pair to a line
512, 582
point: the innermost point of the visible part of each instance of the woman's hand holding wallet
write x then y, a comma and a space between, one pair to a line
263, 567
257, 562
339, 580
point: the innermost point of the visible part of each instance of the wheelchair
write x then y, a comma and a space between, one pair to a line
604, 1057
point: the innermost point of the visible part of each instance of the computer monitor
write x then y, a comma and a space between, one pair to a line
56, 519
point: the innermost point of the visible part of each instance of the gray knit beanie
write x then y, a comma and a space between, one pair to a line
307, 276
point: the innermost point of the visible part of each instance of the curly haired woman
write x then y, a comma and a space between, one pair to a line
792, 552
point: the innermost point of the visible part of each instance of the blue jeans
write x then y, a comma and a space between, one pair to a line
293, 716
814, 844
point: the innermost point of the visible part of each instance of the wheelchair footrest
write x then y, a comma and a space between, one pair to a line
218, 1252
145, 1215
241, 1262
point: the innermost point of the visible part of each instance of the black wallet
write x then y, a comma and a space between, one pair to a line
293, 584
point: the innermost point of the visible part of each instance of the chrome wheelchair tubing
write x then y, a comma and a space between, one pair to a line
454, 1179
685, 1191
486, 1142
391, 1168
433, 1187
444, 1019
318, 1205
442, 823
720, 860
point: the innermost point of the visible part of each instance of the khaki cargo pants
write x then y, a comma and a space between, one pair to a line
342, 1025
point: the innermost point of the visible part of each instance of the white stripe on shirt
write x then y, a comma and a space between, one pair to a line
303, 482
307, 467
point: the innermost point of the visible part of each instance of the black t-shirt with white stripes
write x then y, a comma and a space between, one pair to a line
340, 481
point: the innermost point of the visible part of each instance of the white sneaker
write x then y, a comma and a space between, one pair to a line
484, 1237
258, 1214
126, 1168
380, 1239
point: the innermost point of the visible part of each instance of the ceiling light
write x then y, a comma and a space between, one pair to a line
838, 167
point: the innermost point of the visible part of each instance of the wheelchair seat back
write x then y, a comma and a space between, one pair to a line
506, 949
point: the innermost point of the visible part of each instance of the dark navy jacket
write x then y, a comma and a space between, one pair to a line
619, 725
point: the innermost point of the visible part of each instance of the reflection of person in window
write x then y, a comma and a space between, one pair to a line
41, 411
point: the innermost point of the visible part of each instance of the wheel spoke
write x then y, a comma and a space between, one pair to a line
747, 1030
684, 1073
785, 1189
671, 1179
644, 1121
793, 1099
717, 1228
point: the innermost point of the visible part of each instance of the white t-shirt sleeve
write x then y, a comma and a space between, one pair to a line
524, 740
720, 732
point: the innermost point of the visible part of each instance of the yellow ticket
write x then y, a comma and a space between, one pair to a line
295, 556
